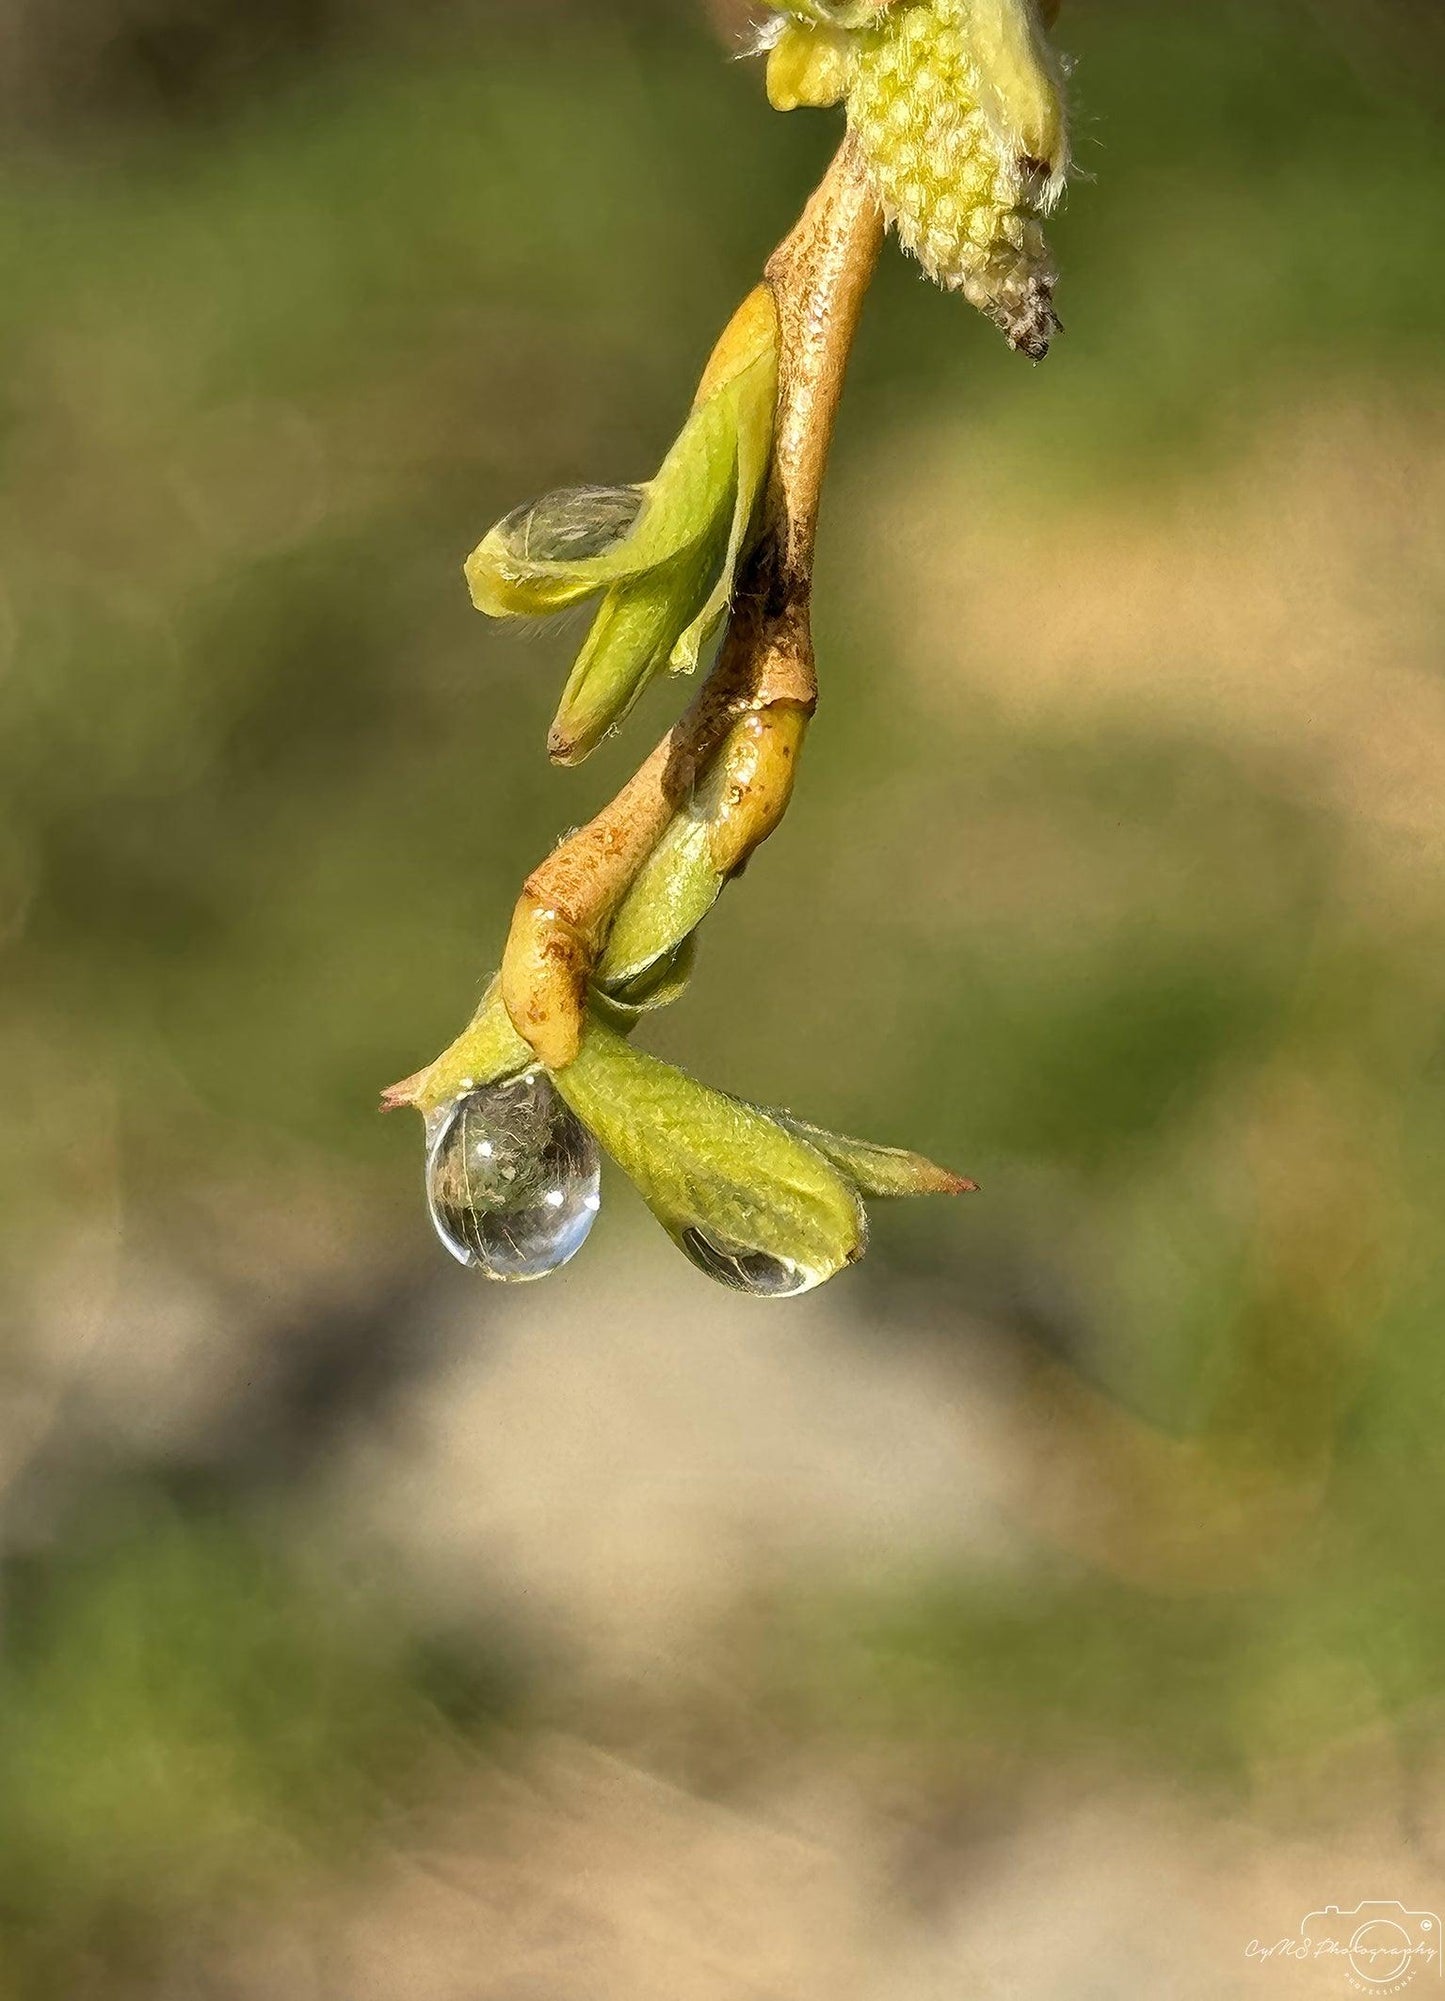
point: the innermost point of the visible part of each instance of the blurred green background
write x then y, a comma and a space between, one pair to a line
1114, 879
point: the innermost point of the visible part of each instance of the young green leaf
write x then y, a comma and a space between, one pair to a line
752, 398
712, 1169
658, 984
675, 889
630, 642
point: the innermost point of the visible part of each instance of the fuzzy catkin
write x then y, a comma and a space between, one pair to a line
967, 210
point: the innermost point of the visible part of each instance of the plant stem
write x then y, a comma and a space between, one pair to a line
764, 678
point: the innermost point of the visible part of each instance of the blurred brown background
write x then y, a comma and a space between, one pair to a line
1047, 1609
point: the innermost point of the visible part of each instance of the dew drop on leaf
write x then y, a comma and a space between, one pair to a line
572, 526
758, 1273
513, 1178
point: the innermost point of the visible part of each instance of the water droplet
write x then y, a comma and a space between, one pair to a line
572, 526
750, 1271
512, 1178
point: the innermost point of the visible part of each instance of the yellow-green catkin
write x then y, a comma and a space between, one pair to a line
956, 106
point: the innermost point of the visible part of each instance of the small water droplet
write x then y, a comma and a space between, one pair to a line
572, 526
756, 1272
513, 1178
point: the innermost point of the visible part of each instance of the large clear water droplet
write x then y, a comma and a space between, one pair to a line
756, 1272
512, 1178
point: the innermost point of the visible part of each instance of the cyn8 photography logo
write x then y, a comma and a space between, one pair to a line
1378, 1948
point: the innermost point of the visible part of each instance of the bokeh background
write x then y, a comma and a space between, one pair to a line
1047, 1609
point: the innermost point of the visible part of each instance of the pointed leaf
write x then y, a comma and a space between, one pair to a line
879, 1170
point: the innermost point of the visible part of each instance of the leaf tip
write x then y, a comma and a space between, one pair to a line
396, 1097
564, 748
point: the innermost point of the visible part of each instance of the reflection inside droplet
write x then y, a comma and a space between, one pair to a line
572, 526
513, 1178
758, 1273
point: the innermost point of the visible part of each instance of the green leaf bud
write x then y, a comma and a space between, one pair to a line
737, 804
663, 556
750, 394
662, 981
675, 889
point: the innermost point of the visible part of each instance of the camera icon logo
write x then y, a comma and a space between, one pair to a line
1380, 1947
